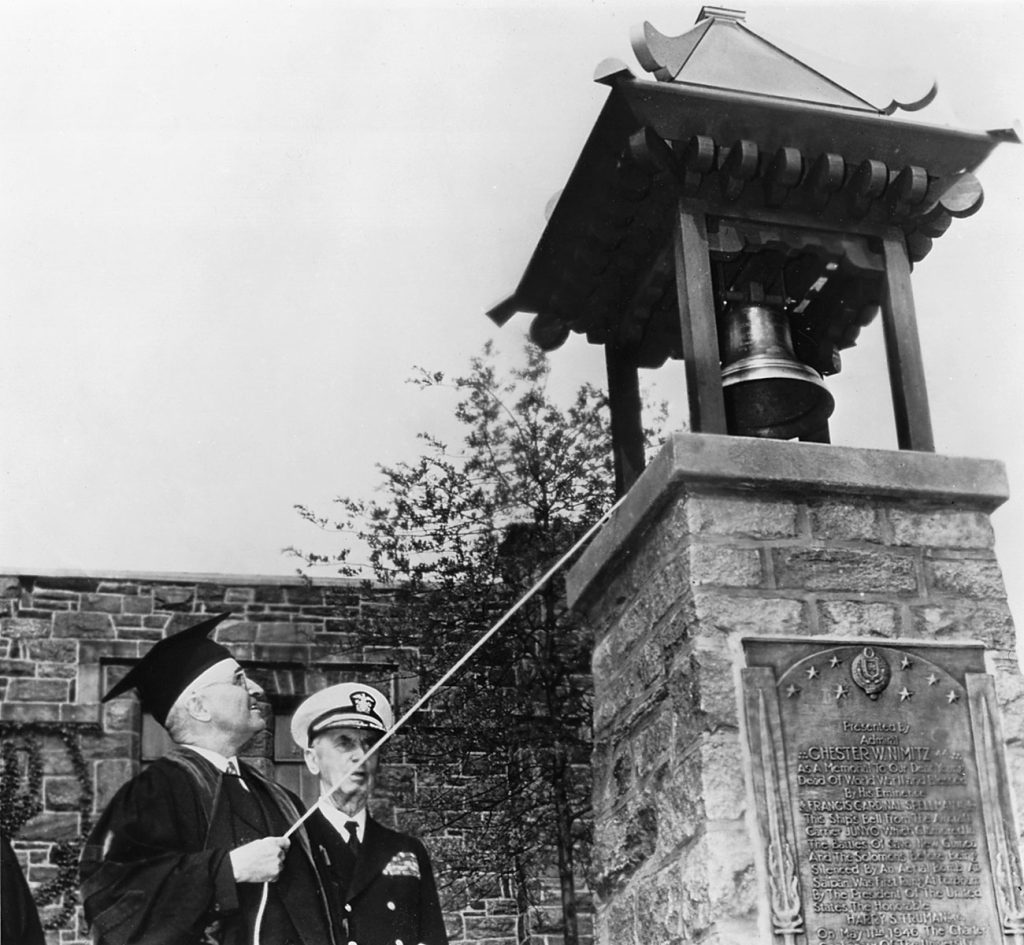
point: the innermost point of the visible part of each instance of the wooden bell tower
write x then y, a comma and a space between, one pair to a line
743, 178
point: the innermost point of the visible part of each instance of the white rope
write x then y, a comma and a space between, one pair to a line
432, 691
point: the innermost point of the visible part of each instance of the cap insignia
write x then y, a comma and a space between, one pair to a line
363, 702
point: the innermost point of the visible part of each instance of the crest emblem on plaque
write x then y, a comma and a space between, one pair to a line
871, 672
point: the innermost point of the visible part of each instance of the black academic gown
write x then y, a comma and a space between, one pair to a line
156, 868
19, 918
387, 895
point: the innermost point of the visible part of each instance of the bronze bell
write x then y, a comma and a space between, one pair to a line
767, 391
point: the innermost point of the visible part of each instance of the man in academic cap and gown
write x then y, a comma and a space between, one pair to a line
182, 851
380, 882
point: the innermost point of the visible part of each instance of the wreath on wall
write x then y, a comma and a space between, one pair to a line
21, 799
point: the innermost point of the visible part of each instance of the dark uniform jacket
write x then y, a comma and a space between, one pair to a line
156, 868
386, 896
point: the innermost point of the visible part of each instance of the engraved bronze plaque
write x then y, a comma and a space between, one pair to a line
881, 792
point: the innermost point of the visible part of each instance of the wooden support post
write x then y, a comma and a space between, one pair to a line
903, 350
697, 324
627, 422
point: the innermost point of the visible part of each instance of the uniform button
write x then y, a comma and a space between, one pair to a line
348, 907
391, 906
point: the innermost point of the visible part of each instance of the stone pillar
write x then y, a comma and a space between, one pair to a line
724, 537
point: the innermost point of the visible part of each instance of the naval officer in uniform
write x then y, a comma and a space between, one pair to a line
380, 881
182, 851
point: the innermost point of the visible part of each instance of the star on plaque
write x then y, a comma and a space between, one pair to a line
834, 662
932, 679
841, 691
792, 690
952, 697
905, 663
905, 694
812, 672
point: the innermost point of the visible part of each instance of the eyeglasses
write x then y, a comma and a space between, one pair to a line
238, 679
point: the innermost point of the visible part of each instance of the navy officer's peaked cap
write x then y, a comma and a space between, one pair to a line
166, 670
347, 705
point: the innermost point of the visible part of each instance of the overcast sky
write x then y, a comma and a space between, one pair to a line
229, 230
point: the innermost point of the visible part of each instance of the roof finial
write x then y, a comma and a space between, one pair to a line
721, 13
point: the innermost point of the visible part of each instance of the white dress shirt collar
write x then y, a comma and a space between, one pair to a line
215, 758
337, 819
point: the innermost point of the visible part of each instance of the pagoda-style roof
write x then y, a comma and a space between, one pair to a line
746, 131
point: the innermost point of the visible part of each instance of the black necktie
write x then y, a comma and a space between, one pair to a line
353, 836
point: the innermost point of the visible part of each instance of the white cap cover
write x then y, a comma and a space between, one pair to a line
347, 705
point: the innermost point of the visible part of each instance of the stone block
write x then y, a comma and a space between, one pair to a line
239, 596
102, 603
41, 873
25, 628
143, 634
57, 671
119, 715
661, 905
743, 516
732, 875
272, 593
859, 618
838, 520
304, 595
722, 784
17, 667
175, 596
51, 825
617, 922
22, 689
56, 760
719, 612
725, 566
284, 633
661, 540
140, 605
62, 793
81, 626
987, 622
713, 688
68, 583
53, 651
978, 578
669, 584
479, 927
653, 742
678, 805
845, 569
111, 774
946, 528
694, 899
240, 632
276, 653
628, 840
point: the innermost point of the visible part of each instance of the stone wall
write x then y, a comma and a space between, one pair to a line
63, 641
723, 538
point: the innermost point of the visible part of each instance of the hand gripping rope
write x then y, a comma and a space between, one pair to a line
432, 691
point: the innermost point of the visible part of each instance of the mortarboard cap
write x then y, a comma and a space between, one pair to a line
347, 705
166, 670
